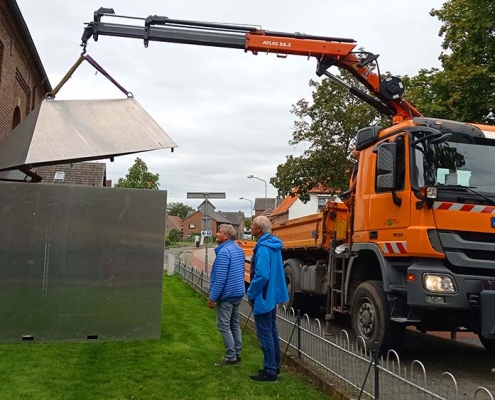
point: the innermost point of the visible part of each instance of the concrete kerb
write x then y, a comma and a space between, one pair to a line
186, 256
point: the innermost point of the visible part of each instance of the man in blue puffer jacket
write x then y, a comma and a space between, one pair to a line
266, 290
227, 291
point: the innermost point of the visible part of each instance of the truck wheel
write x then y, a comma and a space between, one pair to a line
370, 318
488, 344
295, 299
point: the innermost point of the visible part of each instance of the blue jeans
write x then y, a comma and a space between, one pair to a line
266, 329
228, 326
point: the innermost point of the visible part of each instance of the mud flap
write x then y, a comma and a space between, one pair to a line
488, 314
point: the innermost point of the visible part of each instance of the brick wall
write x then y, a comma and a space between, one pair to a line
196, 220
22, 84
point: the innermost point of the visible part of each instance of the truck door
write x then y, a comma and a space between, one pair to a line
389, 212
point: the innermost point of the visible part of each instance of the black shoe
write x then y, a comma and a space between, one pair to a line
262, 370
226, 362
238, 358
263, 377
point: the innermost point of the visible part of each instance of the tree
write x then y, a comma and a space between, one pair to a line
466, 86
138, 177
178, 209
424, 92
247, 223
174, 235
327, 126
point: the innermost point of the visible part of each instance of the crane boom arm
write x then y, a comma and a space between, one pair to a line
385, 95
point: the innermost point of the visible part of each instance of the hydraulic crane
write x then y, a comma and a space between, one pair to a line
385, 95
415, 246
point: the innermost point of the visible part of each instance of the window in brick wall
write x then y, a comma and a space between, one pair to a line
59, 176
16, 120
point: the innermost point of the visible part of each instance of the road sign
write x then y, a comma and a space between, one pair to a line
206, 195
205, 233
205, 224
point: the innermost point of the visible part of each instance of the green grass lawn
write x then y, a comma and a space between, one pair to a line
178, 366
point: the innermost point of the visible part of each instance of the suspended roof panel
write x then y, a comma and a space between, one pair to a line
60, 131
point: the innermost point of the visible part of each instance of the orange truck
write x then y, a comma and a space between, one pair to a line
417, 244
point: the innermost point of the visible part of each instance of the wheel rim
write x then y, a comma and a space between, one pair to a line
366, 318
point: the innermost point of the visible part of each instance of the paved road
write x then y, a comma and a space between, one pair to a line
192, 256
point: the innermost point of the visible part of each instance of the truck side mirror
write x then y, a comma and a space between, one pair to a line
386, 167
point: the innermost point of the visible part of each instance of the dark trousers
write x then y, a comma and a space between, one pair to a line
266, 329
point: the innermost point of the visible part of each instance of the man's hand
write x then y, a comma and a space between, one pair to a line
211, 304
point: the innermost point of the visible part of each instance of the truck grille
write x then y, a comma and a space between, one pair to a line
469, 250
477, 236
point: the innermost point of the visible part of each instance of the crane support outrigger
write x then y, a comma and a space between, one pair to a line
385, 95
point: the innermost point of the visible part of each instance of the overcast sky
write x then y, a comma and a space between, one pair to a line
228, 111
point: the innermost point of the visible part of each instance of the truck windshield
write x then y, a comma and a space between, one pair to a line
463, 160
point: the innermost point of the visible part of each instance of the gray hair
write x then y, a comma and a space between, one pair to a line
229, 230
263, 223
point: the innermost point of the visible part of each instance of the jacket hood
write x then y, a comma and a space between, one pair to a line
270, 241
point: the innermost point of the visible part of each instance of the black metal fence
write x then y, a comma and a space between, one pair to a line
350, 366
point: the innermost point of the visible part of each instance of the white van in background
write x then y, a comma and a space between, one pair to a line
247, 235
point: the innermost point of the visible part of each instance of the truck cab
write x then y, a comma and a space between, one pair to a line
415, 245
424, 225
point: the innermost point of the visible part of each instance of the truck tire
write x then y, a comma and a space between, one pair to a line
295, 299
488, 344
370, 318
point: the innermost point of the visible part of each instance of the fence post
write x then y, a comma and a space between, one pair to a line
170, 264
376, 360
298, 324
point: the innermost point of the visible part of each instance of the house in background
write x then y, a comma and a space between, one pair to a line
292, 207
264, 206
194, 222
236, 219
173, 222
83, 174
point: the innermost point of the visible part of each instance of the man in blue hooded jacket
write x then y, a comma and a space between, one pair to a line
266, 290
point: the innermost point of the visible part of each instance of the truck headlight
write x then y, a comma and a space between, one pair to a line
439, 283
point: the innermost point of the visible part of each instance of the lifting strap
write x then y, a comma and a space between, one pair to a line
97, 66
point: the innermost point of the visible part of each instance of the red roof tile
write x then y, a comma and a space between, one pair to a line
177, 221
284, 205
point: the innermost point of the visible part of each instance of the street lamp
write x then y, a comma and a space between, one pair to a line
262, 180
251, 201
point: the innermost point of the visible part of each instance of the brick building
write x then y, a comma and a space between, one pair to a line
84, 174
23, 85
193, 223
23, 80
173, 222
